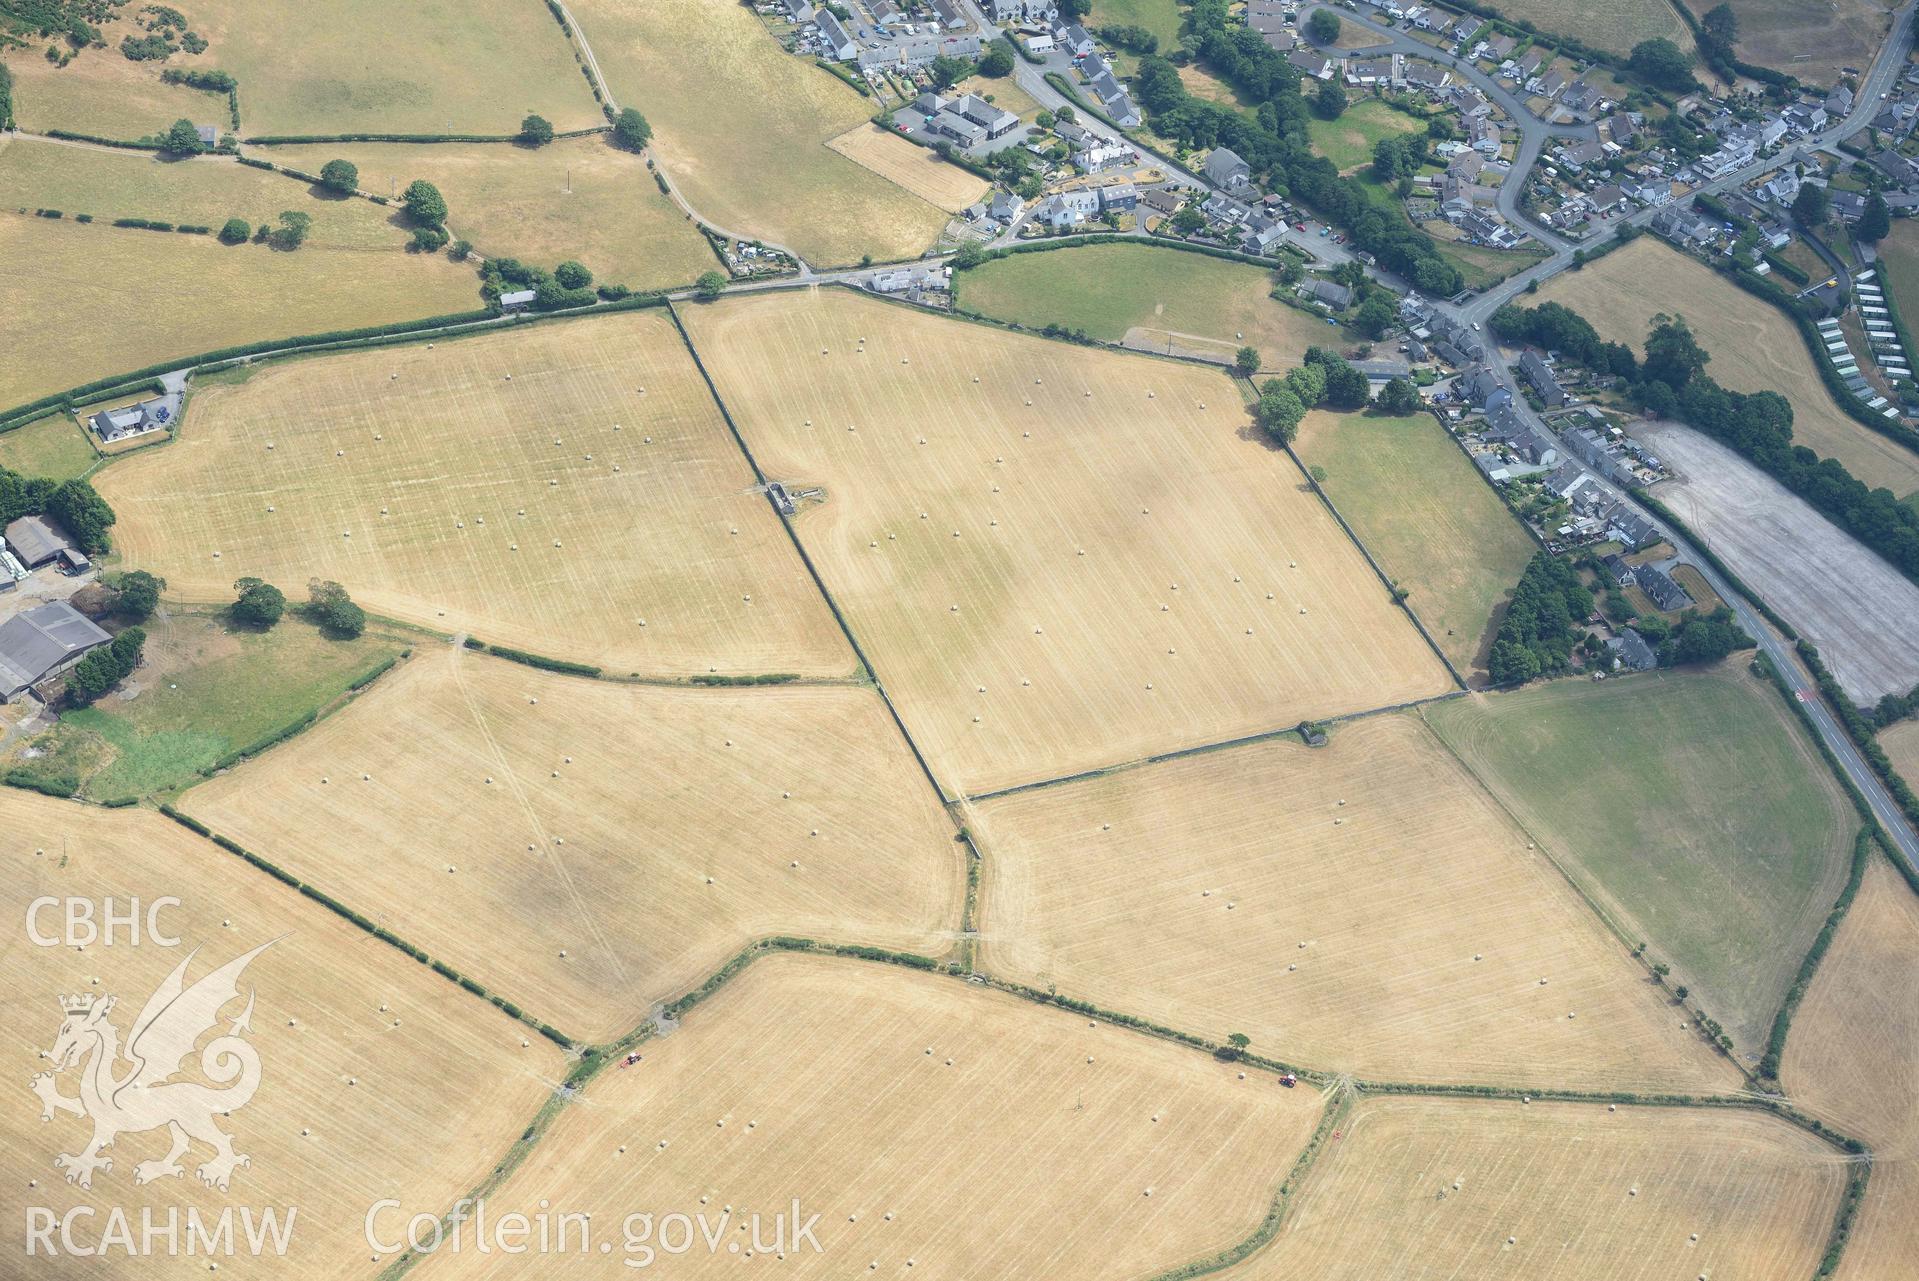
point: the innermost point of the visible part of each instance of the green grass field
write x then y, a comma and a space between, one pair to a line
83, 302
370, 66
205, 691
1349, 141
1108, 290
205, 191
52, 447
1426, 516
1161, 17
1689, 805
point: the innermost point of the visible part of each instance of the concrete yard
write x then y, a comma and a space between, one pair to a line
1856, 608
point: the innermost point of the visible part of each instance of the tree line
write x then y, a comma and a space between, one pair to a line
1275, 144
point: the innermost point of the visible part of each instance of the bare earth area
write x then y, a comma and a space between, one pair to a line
1860, 611
588, 848
1363, 907
937, 1128
1441, 1189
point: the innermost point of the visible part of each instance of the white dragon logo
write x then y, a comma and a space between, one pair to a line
144, 1098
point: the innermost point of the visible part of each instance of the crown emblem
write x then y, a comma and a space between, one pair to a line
79, 1004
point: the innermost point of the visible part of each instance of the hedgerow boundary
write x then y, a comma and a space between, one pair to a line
455, 324
1342, 1091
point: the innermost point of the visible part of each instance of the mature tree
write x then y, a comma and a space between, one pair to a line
1812, 206
997, 62
1663, 64
947, 72
1279, 411
1308, 382
424, 203
1346, 387
970, 255
182, 139
139, 593
1876, 223
235, 232
1376, 315
709, 286
99, 671
1721, 23
1246, 361
292, 231
340, 175
1398, 396
1330, 101
82, 513
330, 607
428, 239
572, 275
258, 604
536, 131
631, 131
1673, 356
1323, 26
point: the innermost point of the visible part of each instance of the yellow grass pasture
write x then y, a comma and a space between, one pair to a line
102, 93
594, 508
913, 167
1056, 558
937, 1129
1901, 742
371, 66
80, 302
1753, 347
516, 202
1425, 1189
611, 845
199, 191
1853, 1060
378, 1078
741, 126
1363, 907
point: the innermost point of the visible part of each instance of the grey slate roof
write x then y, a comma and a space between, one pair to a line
36, 540
36, 641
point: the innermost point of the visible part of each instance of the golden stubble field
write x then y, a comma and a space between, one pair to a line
568, 489
913, 167
1753, 347
937, 1129
1362, 907
1432, 1189
610, 845
1901, 742
426, 67
84, 302
1853, 1060
378, 1078
1057, 558
576, 198
741, 127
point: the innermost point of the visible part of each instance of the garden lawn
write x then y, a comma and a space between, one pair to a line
52, 447
1349, 141
1692, 809
1433, 525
